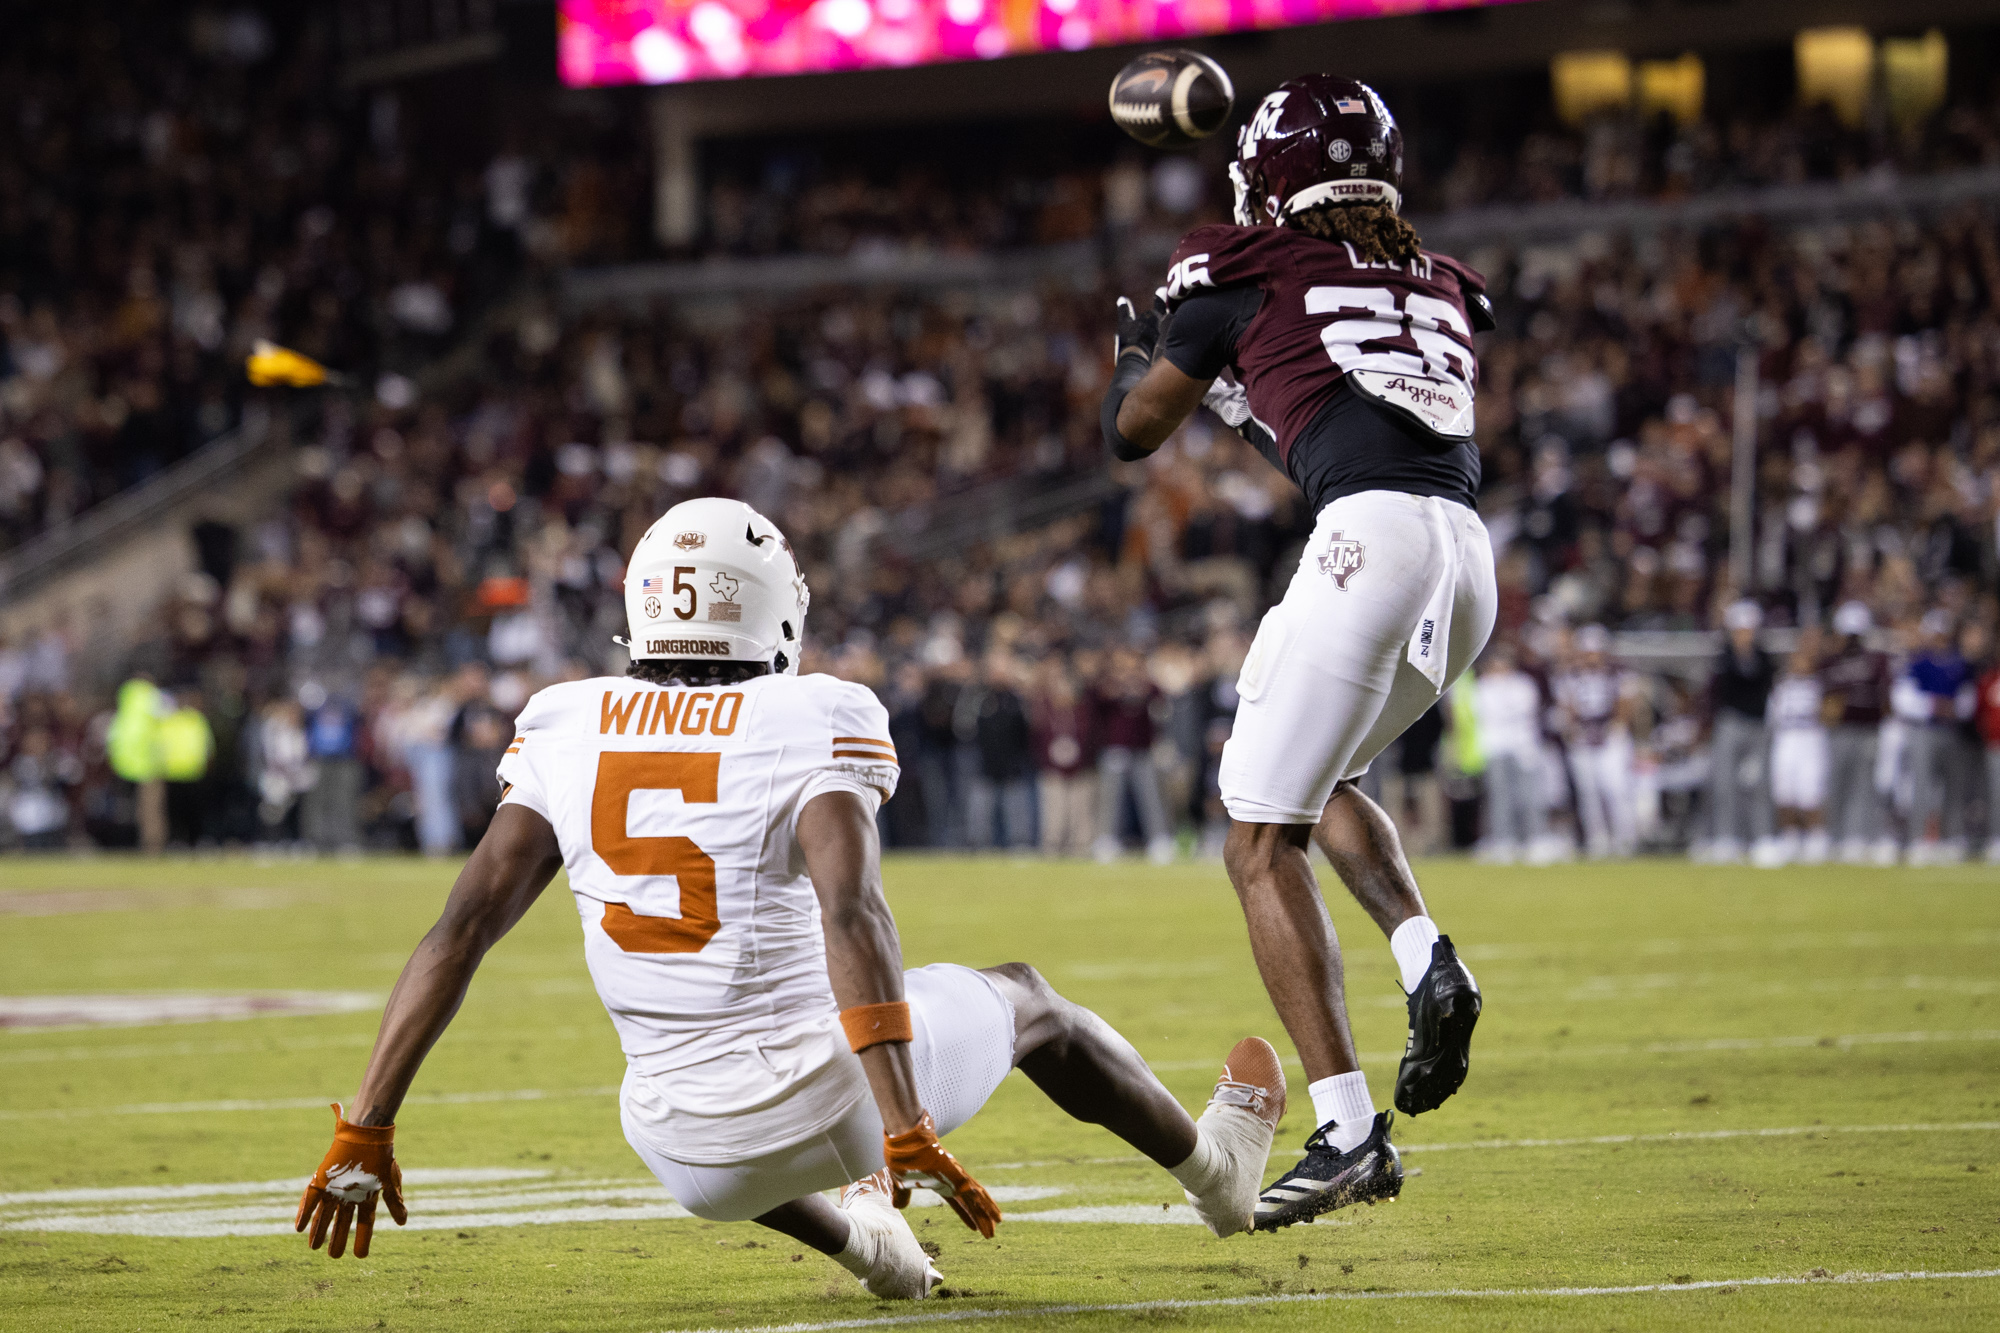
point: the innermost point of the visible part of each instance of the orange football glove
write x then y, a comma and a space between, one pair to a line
917, 1158
359, 1168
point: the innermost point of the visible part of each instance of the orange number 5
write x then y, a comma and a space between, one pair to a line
619, 774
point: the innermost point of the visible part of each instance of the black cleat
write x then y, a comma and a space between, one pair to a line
1328, 1179
1443, 1008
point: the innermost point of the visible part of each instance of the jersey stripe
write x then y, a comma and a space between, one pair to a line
866, 754
863, 740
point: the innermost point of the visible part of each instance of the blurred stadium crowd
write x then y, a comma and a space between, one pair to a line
344, 674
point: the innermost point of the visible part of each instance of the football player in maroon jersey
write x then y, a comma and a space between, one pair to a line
1351, 353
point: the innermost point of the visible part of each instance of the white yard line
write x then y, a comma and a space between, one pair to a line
166, 1050
35, 1055
1442, 1293
1676, 1136
302, 1103
149, 1193
1844, 1042
197, 1225
1709, 945
55, 1013
178, 1049
501, 1197
1693, 1135
1123, 1214
70, 902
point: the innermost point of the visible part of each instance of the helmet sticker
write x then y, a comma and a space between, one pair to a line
1340, 150
725, 605
691, 541
1264, 124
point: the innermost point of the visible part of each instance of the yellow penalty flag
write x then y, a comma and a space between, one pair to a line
271, 365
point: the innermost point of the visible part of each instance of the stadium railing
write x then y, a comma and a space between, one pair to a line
88, 535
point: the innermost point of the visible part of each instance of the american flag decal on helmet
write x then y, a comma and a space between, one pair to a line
1350, 106
656, 584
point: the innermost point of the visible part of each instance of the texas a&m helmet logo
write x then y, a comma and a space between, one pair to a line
1343, 560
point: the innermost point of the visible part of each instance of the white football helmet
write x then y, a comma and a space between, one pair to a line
715, 580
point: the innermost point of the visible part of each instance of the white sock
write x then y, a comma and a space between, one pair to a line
1345, 1110
1412, 946
1197, 1174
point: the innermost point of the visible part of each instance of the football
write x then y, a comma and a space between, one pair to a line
1169, 99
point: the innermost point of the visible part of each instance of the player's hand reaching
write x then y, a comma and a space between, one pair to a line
358, 1169
917, 1158
1139, 332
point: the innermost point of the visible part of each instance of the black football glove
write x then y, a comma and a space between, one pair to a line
1139, 333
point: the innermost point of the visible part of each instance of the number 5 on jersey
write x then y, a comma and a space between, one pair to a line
619, 774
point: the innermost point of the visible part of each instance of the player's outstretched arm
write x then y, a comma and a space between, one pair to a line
1149, 397
1158, 404
504, 875
864, 961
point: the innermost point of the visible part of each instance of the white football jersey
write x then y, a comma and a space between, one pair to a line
1592, 698
676, 809
1795, 703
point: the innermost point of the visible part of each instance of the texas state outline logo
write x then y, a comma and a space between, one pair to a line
1343, 560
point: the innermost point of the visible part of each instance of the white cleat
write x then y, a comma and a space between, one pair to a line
1241, 1119
881, 1250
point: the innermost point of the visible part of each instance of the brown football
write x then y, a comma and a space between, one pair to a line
1169, 99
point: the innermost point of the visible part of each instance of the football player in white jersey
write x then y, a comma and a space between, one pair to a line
1598, 703
1801, 756
715, 812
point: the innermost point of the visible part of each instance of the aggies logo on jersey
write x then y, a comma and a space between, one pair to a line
1343, 560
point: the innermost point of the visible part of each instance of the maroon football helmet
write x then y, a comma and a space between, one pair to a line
1316, 140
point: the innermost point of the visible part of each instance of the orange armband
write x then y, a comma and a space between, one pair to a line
872, 1024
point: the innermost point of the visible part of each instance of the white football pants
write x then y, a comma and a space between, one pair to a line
962, 1046
1801, 758
1606, 795
1392, 600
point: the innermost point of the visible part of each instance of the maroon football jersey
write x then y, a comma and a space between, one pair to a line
1327, 311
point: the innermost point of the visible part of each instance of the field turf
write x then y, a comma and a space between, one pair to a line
1722, 1094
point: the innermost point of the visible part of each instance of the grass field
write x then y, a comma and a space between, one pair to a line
1689, 1082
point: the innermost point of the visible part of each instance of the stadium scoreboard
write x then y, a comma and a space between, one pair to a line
602, 42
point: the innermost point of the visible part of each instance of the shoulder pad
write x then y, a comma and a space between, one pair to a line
1470, 279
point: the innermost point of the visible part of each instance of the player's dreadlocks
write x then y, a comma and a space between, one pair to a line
694, 671
1375, 232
